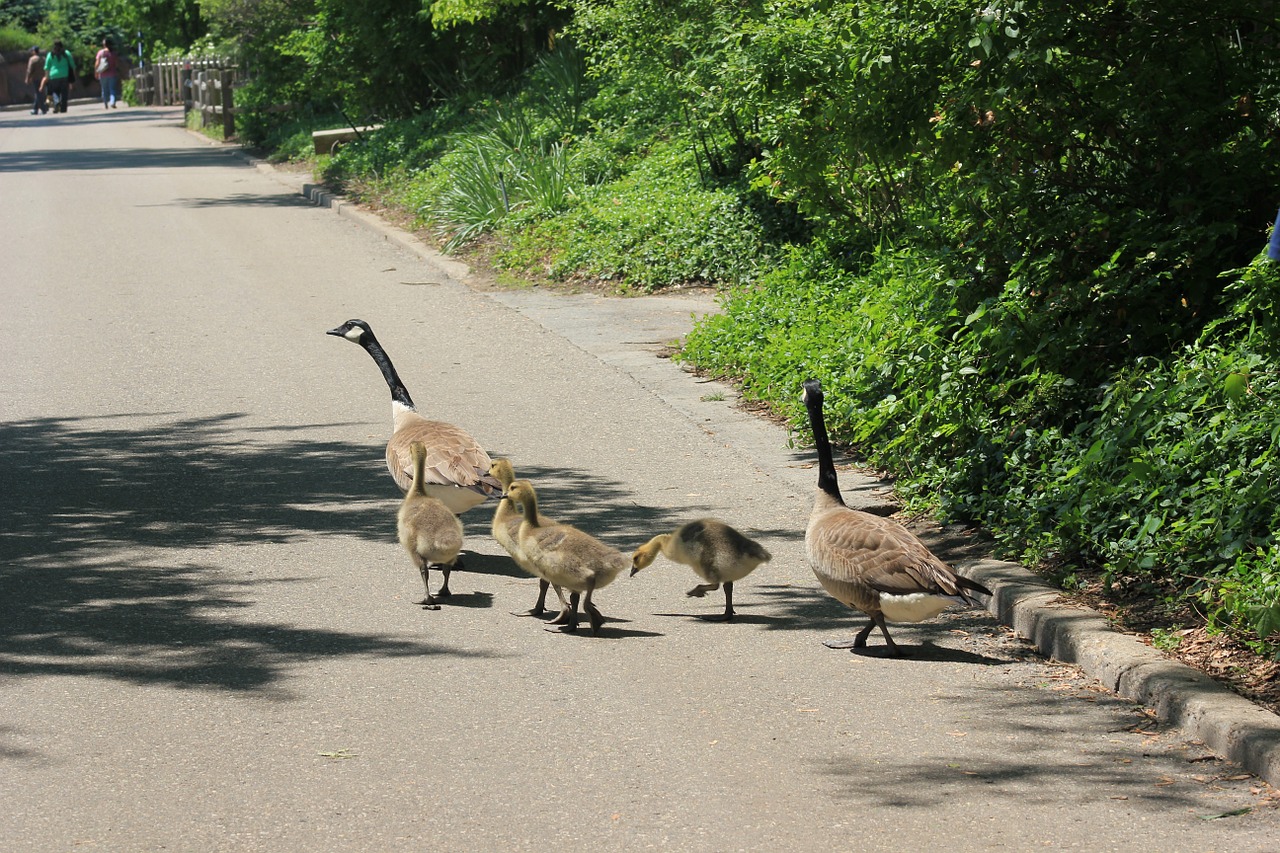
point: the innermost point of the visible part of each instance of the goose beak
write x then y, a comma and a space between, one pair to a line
337, 332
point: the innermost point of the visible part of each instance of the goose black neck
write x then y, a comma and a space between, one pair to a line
398, 392
827, 480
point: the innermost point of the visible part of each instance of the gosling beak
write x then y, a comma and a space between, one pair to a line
634, 569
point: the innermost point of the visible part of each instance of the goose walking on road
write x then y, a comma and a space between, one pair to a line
456, 467
868, 562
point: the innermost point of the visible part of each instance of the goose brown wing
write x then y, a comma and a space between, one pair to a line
903, 565
453, 458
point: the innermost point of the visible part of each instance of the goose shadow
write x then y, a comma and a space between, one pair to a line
926, 652
739, 618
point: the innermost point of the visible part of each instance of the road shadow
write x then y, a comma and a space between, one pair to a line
1032, 768
92, 506
114, 159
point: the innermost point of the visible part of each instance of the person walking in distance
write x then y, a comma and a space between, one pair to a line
35, 79
106, 66
60, 70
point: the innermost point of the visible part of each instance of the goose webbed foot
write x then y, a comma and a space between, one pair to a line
429, 603
702, 589
727, 616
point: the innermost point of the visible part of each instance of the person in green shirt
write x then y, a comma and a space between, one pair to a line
60, 71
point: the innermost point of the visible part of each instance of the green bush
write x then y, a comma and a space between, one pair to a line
654, 227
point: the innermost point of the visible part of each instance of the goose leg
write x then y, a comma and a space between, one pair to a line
857, 642
564, 606
443, 591
702, 589
570, 622
884, 629
428, 602
860, 641
728, 614
593, 612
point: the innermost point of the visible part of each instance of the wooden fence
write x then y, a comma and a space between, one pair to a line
206, 84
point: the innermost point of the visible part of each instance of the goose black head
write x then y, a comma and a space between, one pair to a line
356, 331
812, 392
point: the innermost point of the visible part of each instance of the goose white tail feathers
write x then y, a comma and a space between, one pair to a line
456, 467
869, 562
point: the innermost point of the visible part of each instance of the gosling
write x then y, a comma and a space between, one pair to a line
566, 557
506, 530
428, 530
716, 552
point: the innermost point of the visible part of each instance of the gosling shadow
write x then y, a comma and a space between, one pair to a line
474, 600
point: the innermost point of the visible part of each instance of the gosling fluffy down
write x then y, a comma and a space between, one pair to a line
506, 530
566, 556
428, 530
716, 552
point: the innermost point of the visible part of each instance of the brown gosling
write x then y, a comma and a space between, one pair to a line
868, 562
716, 552
506, 530
566, 557
428, 530
456, 467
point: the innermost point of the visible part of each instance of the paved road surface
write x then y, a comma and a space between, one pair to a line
207, 635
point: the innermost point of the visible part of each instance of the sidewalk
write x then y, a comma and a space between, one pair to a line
633, 333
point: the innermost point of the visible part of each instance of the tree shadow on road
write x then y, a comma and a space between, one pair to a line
97, 510
93, 506
114, 159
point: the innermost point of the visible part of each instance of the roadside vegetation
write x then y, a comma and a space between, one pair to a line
1022, 246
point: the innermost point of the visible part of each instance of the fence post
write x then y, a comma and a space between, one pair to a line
228, 106
187, 94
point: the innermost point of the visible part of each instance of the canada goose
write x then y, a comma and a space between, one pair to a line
868, 562
456, 466
566, 556
716, 552
506, 529
428, 530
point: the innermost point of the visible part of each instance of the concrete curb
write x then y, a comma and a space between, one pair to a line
1228, 724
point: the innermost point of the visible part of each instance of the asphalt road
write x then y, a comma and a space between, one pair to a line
207, 635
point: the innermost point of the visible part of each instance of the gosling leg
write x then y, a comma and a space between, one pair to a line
570, 623
593, 612
443, 592
428, 602
702, 589
728, 614
540, 606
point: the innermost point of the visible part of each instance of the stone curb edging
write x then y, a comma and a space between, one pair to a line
1230, 725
